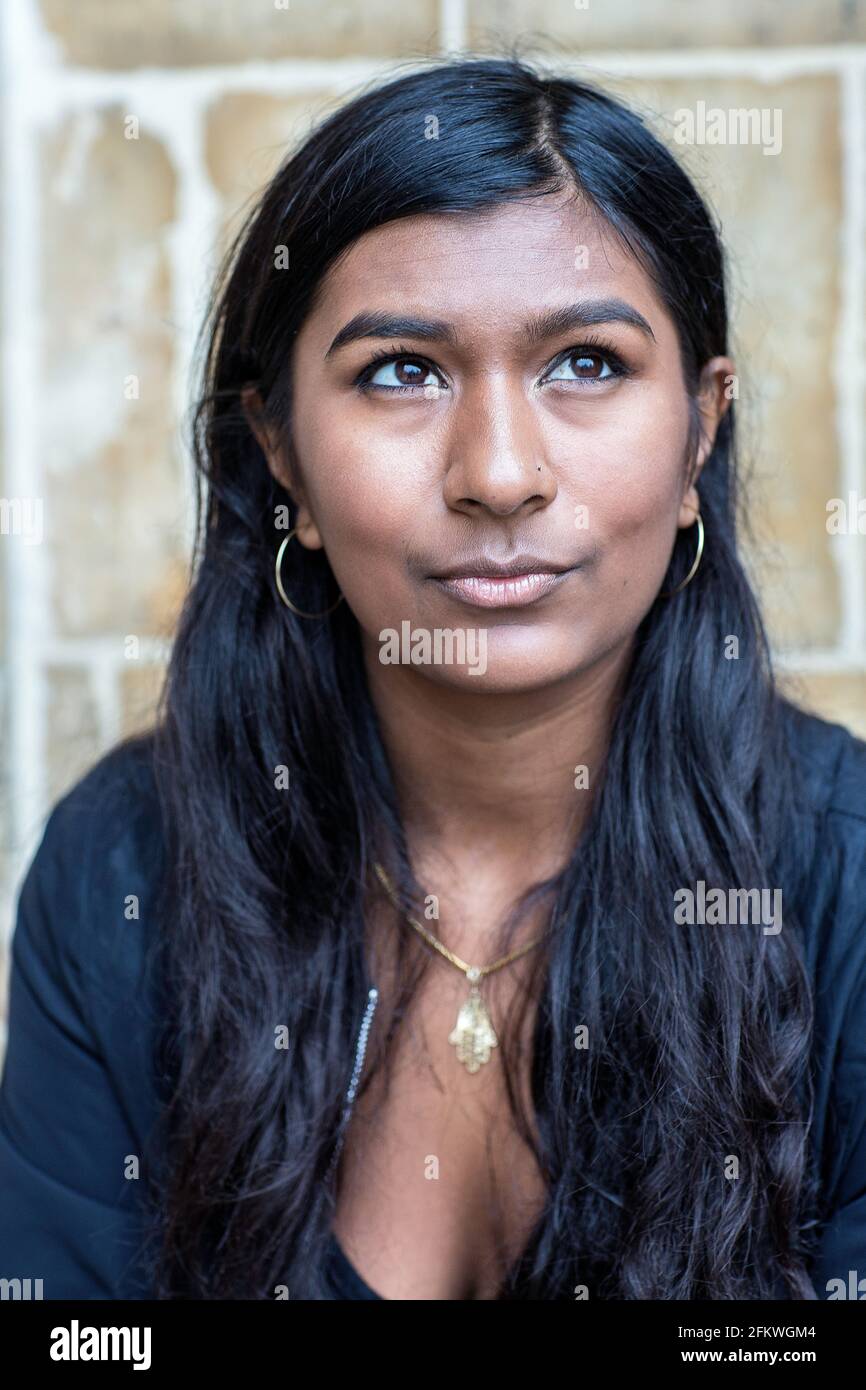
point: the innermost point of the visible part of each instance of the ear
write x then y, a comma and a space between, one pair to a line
715, 392
282, 464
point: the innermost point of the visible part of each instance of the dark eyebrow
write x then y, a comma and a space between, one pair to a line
548, 324
379, 325
587, 314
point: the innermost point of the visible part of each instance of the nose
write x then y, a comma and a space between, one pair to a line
496, 459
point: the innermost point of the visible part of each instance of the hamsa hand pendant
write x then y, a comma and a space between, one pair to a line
473, 1034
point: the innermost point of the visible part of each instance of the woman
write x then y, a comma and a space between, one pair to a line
479, 922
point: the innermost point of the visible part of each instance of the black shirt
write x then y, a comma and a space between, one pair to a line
78, 1097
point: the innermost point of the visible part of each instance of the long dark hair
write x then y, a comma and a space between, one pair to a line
700, 1036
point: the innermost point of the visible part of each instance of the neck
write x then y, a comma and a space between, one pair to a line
489, 778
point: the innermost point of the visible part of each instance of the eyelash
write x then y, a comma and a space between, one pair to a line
590, 346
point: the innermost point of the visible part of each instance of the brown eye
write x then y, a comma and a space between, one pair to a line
400, 373
409, 373
587, 366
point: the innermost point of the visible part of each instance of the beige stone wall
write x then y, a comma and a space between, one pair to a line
109, 242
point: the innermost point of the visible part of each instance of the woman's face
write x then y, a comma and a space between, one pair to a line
528, 406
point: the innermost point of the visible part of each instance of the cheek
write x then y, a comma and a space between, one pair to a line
631, 488
369, 510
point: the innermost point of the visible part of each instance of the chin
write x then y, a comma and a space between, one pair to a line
509, 662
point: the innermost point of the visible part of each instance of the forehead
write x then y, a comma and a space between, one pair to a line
500, 265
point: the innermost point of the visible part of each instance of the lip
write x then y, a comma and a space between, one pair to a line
488, 583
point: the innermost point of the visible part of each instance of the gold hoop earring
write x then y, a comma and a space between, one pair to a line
697, 560
281, 591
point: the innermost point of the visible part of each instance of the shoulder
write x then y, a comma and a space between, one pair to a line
831, 912
827, 851
79, 1094
832, 762
122, 783
95, 873
828, 836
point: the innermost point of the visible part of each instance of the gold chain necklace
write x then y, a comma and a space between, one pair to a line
473, 1034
